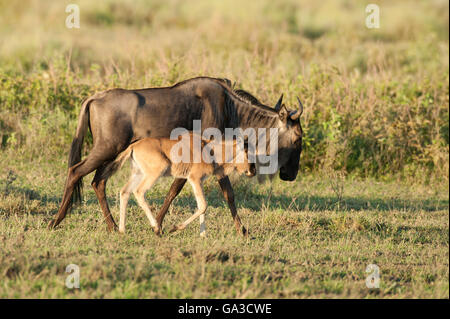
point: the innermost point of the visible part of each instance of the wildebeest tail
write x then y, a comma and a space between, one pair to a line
75, 148
113, 166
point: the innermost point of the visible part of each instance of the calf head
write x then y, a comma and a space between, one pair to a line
241, 161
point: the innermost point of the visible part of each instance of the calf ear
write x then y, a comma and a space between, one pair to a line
283, 113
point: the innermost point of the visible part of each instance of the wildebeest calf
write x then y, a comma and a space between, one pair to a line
156, 157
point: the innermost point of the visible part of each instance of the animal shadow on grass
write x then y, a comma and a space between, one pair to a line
256, 201
248, 198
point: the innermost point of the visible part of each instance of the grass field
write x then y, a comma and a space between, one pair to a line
312, 238
373, 182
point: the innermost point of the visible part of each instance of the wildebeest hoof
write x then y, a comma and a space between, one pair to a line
50, 224
113, 229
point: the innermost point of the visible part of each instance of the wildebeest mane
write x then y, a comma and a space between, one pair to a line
249, 97
244, 96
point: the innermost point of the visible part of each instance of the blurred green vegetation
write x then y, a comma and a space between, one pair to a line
376, 107
376, 100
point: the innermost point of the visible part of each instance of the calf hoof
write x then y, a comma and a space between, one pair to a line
174, 229
157, 231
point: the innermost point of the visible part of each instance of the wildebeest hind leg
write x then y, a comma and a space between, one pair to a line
75, 173
99, 185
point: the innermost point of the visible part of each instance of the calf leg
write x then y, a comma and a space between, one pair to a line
139, 193
227, 191
99, 185
202, 225
201, 206
135, 179
175, 189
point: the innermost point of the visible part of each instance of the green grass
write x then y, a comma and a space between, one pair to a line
376, 100
374, 173
306, 241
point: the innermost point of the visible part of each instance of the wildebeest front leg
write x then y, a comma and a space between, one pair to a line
228, 193
99, 185
175, 189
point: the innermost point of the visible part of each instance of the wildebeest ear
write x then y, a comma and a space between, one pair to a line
283, 113
278, 105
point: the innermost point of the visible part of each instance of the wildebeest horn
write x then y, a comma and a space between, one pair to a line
297, 114
278, 105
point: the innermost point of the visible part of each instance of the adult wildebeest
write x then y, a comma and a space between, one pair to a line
119, 117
